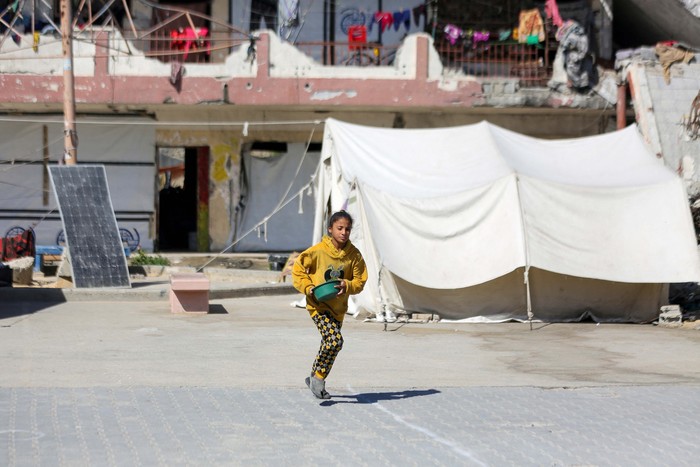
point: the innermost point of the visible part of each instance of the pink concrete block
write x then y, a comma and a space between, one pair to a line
189, 293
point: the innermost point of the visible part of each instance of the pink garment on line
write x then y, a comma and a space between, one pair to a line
551, 10
452, 33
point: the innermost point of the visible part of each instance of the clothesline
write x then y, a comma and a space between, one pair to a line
530, 29
165, 123
284, 201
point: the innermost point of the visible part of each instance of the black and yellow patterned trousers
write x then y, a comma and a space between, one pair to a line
331, 343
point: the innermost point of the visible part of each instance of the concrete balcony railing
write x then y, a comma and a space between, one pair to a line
116, 73
530, 64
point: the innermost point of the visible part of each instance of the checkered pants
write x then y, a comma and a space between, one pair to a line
331, 343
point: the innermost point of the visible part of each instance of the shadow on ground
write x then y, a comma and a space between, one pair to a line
374, 397
16, 308
215, 309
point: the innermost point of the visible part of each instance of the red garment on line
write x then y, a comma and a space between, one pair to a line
188, 38
384, 19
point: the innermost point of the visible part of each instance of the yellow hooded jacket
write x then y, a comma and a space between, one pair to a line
323, 262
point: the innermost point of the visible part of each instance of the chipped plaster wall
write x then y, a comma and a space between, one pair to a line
661, 109
128, 60
114, 74
48, 59
224, 175
287, 61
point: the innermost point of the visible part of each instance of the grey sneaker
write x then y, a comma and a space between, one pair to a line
318, 387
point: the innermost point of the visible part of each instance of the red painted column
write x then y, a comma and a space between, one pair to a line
203, 199
102, 56
263, 55
422, 59
621, 106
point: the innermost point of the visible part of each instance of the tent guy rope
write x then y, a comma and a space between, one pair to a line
281, 204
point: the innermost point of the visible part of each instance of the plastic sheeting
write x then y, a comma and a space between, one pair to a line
266, 182
127, 150
480, 223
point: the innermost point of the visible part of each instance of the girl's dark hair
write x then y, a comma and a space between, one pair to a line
339, 215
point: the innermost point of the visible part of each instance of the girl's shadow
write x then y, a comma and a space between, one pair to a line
374, 397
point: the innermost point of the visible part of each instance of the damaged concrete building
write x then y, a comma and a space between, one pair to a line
208, 116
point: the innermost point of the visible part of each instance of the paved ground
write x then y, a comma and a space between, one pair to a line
119, 382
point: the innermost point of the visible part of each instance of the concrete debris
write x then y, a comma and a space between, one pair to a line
670, 316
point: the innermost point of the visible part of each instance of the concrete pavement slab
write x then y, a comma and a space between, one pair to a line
475, 426
265, 342
129, 383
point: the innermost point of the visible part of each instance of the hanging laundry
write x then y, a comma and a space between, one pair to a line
530, 24
289, 12
383, 18
692, 123
177, 71
452, 34
504, 34
402, 17
578, 63
480, 36
551, 10
357, 37
419, 12
185, 39
670, 53
263, 10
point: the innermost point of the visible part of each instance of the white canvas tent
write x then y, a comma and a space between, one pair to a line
479, 223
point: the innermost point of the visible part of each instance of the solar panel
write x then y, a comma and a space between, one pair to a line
92, 235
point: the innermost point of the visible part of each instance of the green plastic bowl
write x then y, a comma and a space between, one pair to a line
326, 291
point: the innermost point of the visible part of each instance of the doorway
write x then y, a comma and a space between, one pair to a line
183, 198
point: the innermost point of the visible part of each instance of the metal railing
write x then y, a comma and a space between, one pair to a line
163, 46
349, 54
529, 63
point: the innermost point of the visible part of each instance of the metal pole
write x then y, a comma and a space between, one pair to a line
331, 29
45, 142
325, 32
70, 142
380, 8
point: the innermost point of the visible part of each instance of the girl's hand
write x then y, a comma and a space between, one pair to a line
342, 288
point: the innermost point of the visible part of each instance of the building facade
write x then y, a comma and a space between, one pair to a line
206, 129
